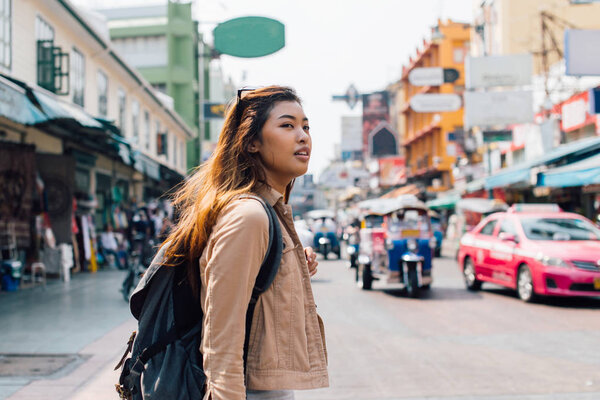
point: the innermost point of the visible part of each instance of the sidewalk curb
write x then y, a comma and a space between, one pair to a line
94, 379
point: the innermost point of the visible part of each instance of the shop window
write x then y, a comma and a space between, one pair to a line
5, 33
182, 154
458, 55
161, 143
102, 82
78, 76
82, 180
122, 100
135, 121
173, 154
147, 130
52, 62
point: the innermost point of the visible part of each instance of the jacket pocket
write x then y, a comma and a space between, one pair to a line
322, 329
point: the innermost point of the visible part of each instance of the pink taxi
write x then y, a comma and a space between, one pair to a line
536, 249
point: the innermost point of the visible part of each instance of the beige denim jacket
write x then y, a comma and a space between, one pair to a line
287, 340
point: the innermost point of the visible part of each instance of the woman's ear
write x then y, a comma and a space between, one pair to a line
254, 146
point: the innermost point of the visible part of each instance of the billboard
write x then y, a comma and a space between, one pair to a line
489, 71
392, 171
351, 145
375, 110
498, 108
581, 52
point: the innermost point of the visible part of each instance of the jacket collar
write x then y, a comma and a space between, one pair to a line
271, 195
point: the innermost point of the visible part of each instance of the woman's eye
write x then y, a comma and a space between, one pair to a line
287, 126
306, 128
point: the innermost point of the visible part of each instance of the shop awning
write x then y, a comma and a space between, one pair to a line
408, 189
444, 202
15, 105
147, 166
56, 109
521, 174
581, 173
475, 185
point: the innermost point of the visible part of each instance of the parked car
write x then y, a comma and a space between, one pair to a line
538, 250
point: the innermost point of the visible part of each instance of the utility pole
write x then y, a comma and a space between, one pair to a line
547, 33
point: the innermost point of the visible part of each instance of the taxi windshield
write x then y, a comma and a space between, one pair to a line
559, 229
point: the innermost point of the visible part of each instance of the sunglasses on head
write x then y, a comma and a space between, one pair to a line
240, 92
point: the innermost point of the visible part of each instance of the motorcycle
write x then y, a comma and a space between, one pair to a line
139, 259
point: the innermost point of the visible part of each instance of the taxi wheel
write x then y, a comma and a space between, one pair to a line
471, 281
525, 285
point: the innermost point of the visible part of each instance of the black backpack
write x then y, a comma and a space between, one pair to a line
165, 360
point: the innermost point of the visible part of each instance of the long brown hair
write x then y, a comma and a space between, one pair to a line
231, 170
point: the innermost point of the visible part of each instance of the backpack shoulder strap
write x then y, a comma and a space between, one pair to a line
270, 264
268, 268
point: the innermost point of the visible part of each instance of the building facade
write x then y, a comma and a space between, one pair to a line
80, 129
163, 44
430, 154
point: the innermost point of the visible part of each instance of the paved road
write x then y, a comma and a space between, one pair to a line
453, 344
449, 345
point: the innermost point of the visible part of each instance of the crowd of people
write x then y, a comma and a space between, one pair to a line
145, 228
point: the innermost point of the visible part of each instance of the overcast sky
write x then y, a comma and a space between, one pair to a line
330, 44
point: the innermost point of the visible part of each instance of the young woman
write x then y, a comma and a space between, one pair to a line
264, 145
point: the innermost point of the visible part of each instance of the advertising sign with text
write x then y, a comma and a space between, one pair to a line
489, 71
498, 108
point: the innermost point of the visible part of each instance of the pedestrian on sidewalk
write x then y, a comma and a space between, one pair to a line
264, 145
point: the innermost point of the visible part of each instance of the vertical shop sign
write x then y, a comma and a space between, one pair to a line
375, 110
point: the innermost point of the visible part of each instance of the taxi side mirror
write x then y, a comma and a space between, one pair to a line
508, 237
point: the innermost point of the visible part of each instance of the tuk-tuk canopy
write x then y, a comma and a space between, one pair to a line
383, 206
320, 214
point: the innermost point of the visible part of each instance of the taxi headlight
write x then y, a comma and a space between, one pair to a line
551, 261
412, 245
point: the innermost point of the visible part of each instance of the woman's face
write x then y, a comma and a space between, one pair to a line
286, 144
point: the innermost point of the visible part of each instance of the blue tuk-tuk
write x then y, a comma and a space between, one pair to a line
326, 239
410, 243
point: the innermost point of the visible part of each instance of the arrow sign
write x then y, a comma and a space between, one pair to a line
434, 102
432, 76
351, 97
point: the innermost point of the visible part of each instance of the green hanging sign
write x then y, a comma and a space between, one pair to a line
249, 37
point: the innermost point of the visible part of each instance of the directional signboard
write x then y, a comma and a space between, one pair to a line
249, 37
432, 76
434, 102
506, 70
214, 110
498, 108
351, 97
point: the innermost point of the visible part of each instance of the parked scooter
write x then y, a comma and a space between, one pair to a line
139, 259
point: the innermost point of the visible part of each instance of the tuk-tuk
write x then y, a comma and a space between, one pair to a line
372, 257
410, 243
325, 240
438, 232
